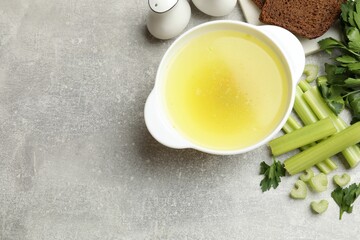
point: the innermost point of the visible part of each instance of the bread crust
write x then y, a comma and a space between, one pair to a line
309, 19
259, 3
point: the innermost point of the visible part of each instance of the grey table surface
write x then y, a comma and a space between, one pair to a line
76, 159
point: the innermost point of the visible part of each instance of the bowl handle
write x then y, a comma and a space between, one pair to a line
291, 48
162, 132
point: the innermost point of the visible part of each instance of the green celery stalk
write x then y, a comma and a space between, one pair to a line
304, 85
302, 109
293, 124
287, 127
302, 136
329, 165
325, 166
307, 116
326, 148
320, 108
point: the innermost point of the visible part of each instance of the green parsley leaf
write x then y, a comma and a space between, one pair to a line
340, 85
353, 102
272, 174
335, 74
353, 36
328, 44
345, 197
332, 95
323, 85
352, 82
346, 59
336, 104
345, 8
356, 18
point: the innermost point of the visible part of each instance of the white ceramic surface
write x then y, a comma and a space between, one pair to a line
216, 8
252, 12
169, 20
288, 48
161, 6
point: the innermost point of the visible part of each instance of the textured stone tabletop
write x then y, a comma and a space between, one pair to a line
76, 159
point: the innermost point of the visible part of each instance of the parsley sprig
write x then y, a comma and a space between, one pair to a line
345, 198
272, 174
341, 85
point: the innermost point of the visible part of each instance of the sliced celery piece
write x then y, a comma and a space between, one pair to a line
319, 207
311, 71
320, 108
343, 180
325, 166
326, 148
299, 191
309, 173
319, 182
302, 136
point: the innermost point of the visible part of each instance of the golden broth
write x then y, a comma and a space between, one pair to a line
226, 90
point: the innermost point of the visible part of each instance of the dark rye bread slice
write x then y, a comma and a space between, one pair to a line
259, 3
309, 19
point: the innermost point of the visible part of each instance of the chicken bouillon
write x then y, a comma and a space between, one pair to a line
226, 90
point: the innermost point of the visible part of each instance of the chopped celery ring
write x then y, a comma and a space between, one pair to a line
311, 71
299, 191
319, 207
343, 180
319, 182
309, 173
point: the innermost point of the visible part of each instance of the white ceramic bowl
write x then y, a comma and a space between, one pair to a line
284, 43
